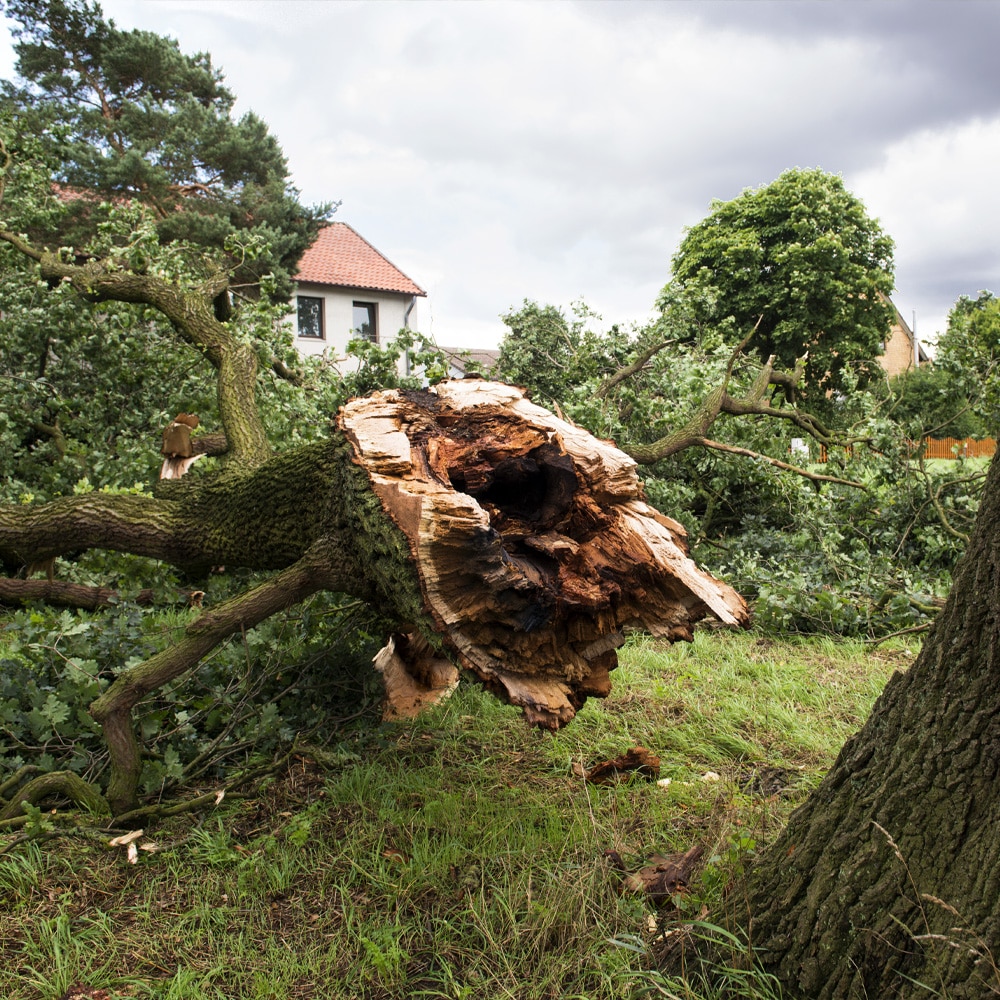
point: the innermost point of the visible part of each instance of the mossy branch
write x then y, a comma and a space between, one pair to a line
191, 310
64, 784
113, 709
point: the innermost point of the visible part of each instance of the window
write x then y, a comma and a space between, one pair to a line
363, 322
310, 316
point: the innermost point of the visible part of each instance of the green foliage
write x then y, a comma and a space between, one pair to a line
801, 255
378, 365
125, 114
552, 356
969, 351
933, 401
845, 562
289, 677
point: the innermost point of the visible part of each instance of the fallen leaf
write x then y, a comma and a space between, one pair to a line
664, 877
637, 761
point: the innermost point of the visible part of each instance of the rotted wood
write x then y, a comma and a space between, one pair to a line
533, 541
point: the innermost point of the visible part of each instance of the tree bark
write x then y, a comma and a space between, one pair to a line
889, 875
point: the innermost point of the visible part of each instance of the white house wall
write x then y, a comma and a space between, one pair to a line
338, 318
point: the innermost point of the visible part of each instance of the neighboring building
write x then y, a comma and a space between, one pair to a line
347, 290
902, 350
469, 359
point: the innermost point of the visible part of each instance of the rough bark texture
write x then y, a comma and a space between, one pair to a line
531, 538
850, 900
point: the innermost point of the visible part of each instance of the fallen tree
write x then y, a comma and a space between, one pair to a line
488, 531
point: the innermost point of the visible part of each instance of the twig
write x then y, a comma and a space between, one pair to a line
746, 452
903, 631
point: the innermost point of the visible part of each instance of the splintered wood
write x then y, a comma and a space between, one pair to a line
532, 539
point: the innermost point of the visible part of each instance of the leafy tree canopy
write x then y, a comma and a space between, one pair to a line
933, 401
552, 355
970, 351
801, 255
126, 114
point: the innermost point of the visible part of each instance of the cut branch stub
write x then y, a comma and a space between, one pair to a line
532, 540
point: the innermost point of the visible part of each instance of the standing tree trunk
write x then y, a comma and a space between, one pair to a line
888, 877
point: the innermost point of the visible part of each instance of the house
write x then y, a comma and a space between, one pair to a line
477, 360
347, 290
901, 351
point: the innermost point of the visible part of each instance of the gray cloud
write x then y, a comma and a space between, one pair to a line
503, 150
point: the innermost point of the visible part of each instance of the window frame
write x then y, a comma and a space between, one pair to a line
371, 308
321, 316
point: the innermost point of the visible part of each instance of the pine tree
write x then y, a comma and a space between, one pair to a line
126, 114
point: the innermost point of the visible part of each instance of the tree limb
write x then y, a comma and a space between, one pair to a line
191, 310
315, 571
694, 432
63, 594
629, 370
63, 783
798, 470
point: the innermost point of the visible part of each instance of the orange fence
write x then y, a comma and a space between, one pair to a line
958, 448
943, 448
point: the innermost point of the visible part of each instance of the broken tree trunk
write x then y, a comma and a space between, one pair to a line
486, 531
532, 541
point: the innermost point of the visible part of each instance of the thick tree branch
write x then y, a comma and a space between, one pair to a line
754, 402
222, 522
191, 310
318, 569
54, 432
62, 594
284, 372
62, 783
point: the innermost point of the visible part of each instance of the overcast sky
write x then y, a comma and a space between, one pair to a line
556, 150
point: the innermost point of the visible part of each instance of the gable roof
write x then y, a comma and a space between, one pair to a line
923, 356
341, 257
478, 358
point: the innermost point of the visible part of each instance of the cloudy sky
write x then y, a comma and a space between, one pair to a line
556, 150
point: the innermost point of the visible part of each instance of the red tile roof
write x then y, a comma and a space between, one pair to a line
341, 257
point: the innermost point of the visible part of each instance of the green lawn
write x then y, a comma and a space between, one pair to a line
461, 855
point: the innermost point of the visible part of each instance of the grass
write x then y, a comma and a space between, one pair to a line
456, 856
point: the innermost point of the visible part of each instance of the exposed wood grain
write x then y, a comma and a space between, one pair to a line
533, 541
